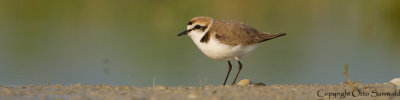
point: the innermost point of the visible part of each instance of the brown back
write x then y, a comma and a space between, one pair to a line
233, 32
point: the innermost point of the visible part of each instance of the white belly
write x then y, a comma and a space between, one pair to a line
218, 51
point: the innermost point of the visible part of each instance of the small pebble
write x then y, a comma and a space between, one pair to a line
161, 87
192, 96
396, 81
244, 82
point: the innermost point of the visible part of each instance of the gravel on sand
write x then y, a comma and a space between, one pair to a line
381, 91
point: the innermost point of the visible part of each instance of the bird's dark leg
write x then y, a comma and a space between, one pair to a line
229, 70
237, 74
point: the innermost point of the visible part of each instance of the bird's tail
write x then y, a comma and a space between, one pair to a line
269, 36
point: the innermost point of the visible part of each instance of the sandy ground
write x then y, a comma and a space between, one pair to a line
380, 91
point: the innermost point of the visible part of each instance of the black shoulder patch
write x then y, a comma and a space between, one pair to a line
218, 36
203, 28
206, 37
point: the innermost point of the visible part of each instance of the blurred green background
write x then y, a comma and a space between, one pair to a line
134, 42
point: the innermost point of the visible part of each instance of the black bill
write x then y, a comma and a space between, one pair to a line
184, 32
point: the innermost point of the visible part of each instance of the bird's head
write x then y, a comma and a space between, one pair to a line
199, 24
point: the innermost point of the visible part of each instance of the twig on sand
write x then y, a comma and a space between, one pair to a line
154, 79
349, 82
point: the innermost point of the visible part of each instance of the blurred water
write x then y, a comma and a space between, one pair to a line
135, 42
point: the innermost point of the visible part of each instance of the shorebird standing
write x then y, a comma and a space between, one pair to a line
225, 40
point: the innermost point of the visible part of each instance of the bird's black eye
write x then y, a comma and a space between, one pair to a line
197, 26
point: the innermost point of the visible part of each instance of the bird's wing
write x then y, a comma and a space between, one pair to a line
233, 32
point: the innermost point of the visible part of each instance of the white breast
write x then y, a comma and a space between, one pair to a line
219, 51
